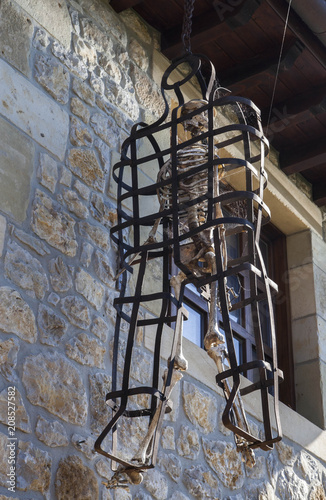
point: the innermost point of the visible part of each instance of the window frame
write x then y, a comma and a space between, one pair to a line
277, 256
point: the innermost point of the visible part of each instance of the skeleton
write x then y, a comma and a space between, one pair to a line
190, 189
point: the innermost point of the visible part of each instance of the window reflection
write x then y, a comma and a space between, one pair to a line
193, 327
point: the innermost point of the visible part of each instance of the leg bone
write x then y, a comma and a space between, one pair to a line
141, 454
180, 362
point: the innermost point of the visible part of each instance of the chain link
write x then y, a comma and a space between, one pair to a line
187, 24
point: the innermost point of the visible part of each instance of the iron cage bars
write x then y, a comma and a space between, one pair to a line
171, 244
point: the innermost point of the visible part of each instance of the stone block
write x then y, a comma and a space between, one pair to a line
305, 338
48, 172
224, 459
188, 444
201, 483
3, 226
309, 397
156, 484
84, 164
53, 77
81, 189
97, 82
22, 421
103, 268
106, 128
52, 434
54, 17
90, 288
72, 61
104, 153
75, 480
16, 169
138, 55
171, 465
102, 212
111, 68
41, 40
76, 311
290, 486
96, 37
60, 276
74, 204
299, 249
320, 291
33, 112
123, 98
53, 299
8, 358
95, 235
200, 407
4, 459
105, 20
86, 254
84, 444
318, 251
134, 22
100, 328
33, 468
52, 327
79, 134
148, 94
16, 316
309, 467
66, 177
83, 91
16, 31
53, 225
86, 351
167, 438
25, 271
84, 50
100, 385
302, 291
79, 109
30, 241
259, 470
55, 384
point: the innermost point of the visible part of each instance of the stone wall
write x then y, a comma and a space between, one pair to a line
74, 78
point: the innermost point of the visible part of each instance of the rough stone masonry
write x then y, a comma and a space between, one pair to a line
74, 78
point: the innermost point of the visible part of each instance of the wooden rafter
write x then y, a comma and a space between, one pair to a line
300, 29
313, 100
303, 157
261, 63
205, 28
209, 26
296, 110
121, 5
319, 193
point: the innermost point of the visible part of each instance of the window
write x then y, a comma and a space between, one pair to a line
273, 247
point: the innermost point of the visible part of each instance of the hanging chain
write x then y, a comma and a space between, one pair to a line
187, 24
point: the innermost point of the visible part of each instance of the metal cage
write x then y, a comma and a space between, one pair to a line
139, 185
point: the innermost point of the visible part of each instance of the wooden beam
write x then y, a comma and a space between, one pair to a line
319, 194
209, 26
301, 30
243, 15
303, 157
120, 5
205, 28
262, 63
300, 108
